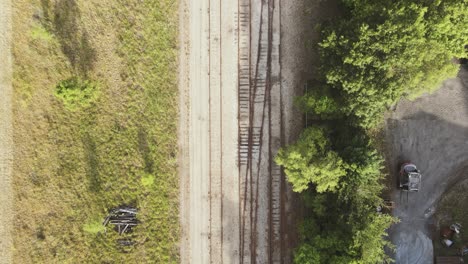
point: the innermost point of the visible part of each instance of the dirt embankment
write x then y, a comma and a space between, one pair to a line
6, 132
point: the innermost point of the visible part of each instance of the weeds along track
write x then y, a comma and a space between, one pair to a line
259, 98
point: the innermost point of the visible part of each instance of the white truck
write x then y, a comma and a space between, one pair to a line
410, 177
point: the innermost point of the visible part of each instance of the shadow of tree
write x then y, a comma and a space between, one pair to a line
45, 5
92, 161
435, 139
73, 38
145, 151
438, 147
463, 75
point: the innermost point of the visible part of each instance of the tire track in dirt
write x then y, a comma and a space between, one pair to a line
6, 132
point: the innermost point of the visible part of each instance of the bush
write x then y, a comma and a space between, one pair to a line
341, 232
77, 93
306, 254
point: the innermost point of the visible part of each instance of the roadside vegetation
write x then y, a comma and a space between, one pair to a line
372, 55
450, 210
95, 128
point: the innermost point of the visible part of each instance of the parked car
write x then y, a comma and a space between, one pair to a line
410, 177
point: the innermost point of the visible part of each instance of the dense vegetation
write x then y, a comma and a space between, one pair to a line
95, 128
338, 174
381, 50
372, 55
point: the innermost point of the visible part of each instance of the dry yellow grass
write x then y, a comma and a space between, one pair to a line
72, 166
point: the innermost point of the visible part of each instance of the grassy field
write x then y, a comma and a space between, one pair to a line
75, 161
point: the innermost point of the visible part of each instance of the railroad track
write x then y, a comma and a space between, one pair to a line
260, 179
235, 202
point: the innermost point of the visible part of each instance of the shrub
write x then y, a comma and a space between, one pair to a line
77, 93
307, 254
320, 102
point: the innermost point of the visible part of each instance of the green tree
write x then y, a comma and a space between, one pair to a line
382, 50
369, 243
377, 52
307, 254
311, 161
341, 223
341, 231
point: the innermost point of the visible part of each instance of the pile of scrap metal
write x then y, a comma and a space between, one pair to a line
123, 219
447, 234
464, 250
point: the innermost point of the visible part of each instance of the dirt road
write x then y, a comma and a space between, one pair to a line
209, 133
234, 199
432, 132
6, 132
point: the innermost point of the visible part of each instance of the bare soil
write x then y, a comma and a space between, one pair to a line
6, 133
432, 132
183, 128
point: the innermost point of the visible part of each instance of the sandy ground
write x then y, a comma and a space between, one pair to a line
6, 132
432, 132
235, 204
209, 133
183, 128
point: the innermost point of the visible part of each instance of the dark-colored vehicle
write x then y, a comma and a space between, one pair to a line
410, 177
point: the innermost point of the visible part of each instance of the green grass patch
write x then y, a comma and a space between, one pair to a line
76, 93
147, 180
95, 227
103, 138
38, 32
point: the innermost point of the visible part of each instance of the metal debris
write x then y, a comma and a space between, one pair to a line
123, 218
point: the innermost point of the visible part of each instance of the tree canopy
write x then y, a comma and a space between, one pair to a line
338, 173
371, 56
311, 161
382, 50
